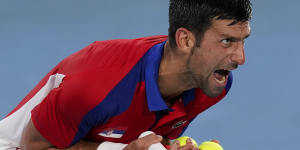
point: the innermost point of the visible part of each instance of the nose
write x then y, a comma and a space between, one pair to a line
238, 55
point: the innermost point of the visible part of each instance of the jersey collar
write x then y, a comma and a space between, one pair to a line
154, 98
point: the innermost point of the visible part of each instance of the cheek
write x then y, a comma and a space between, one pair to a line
208, 61
216, 54
200, 63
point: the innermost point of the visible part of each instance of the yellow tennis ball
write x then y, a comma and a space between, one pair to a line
210, 145
182, 140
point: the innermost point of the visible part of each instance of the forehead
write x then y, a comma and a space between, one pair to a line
224, 27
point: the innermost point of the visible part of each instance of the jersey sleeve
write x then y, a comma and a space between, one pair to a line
67, 113
74, 106
48, 120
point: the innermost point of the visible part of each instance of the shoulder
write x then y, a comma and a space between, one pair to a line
94, 71
127, 49
110, 54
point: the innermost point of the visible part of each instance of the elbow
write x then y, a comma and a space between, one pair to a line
32, 140
26, 145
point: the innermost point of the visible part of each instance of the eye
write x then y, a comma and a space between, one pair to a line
226, 42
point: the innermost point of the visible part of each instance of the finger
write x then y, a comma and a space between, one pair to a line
195, 148
175, 145
187, 147
216, 141
189, 141
150, 139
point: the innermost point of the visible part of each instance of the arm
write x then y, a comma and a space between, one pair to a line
33, 140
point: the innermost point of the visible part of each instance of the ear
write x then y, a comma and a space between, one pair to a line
185, 39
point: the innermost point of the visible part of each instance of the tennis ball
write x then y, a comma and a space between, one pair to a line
182, 140
210, 145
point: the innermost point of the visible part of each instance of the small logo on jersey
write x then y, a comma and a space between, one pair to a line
178, 124
113, 133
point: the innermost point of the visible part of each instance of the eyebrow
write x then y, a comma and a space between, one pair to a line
234, 38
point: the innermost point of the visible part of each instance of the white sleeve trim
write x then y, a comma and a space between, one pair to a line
11, 127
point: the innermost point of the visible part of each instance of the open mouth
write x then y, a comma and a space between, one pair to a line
221, 75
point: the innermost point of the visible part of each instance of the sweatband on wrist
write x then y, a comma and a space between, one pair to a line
111, 146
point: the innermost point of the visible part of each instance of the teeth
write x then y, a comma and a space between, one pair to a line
222, 80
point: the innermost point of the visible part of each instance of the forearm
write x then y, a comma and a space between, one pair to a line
33, 140
81, 145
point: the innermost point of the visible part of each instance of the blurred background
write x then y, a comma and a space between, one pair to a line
260, 112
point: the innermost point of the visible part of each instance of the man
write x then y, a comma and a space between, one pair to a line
107, 94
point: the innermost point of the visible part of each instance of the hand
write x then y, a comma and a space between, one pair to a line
144, 142
189, 145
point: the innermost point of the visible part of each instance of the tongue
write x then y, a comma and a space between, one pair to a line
218, 76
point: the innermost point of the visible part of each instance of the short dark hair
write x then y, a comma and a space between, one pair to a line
197, 15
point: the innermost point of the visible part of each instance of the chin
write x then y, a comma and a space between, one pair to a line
213, 93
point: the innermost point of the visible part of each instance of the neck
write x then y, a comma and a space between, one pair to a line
174, 76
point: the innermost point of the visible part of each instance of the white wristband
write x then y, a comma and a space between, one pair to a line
111, 146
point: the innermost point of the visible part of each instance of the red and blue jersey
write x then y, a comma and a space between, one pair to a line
108, 91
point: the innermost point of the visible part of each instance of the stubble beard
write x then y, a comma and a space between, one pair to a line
211, 91
199, 81
204, 84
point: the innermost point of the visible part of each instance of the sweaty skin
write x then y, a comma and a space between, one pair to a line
189, 66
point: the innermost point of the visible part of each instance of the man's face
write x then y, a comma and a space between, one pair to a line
221, 50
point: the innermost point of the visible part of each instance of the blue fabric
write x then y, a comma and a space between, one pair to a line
120, 97
154, 98
188, 96
229, 83
116, 102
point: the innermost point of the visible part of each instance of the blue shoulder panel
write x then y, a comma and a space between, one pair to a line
229, 83
154, 98
116, 102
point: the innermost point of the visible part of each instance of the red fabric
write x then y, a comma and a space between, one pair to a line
97, 69
167, 146
60, 113
195, 107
